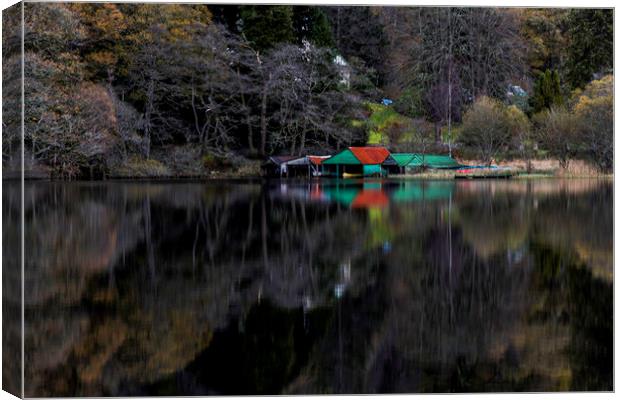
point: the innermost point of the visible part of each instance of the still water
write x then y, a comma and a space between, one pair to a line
290, 287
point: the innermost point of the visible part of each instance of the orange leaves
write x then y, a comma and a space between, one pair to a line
177, 21
104, 21
103, 58
110, 21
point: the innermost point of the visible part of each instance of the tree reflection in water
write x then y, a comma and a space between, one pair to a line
311, 287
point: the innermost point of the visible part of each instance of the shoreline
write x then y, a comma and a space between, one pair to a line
424, 176
540, 169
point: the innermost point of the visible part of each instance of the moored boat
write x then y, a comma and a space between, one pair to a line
492, 172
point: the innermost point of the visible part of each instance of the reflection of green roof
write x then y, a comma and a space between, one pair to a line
419, 191
425, 160
371, 185
342, 195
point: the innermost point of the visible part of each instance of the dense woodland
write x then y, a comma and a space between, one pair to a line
177, 90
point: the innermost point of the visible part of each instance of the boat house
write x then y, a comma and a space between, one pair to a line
294, 166
359, 161
407, 162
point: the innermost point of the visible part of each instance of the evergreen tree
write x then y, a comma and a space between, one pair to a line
545, 33
358, 32
227, 15
266, 26
591, 44
547, 91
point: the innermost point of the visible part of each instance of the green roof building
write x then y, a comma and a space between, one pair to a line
359, 161
417, 160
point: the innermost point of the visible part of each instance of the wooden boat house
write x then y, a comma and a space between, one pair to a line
410, 162
359, 162
293, 166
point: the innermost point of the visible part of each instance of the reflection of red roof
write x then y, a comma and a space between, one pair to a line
370, 155
316, 193
317, 160
370, 199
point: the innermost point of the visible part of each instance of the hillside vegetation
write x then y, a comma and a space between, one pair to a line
191, 90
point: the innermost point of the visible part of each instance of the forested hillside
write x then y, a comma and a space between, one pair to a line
183, 90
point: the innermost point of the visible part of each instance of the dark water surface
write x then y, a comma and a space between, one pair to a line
183, 288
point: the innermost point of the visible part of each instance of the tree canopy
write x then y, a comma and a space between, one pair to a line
250, 80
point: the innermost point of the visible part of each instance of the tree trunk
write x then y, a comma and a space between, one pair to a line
263, 120
437, 132
249, 124
147, 117
302, 144
248, 120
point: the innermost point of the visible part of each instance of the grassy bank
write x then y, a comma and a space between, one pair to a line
539, 169
546, 168
155, 169
180, 163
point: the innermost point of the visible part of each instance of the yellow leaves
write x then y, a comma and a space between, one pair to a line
583, 104
484, 109
517, 122
110, 21
177, 21
515, 112
105, 21
105, 58
601, 87
598, 95
597, 108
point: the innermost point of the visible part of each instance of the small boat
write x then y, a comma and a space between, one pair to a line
348, 175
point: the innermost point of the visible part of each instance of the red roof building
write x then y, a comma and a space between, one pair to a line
370, 155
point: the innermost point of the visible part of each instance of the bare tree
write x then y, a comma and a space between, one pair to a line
486, 128
557, 132
595, 117
147, 75
422, 136
452, 55
307, 98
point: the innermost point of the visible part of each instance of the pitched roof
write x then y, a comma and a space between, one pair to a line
282, 159
346, 156
360, 155
436, 161
317, 160
370, 155
403, 159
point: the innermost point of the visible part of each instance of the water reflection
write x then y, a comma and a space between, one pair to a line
313, 287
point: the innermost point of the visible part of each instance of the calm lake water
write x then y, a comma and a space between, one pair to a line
290, 287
